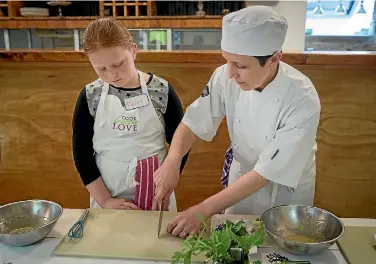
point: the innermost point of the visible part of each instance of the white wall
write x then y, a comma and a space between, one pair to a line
295, 13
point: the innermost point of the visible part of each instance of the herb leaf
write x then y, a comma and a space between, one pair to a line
216, 245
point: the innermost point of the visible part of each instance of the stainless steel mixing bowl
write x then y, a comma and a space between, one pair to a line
301, 229
26, 222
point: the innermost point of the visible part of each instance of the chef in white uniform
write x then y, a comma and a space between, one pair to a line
272, 112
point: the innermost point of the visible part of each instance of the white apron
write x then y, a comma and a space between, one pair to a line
272, 194
124, 136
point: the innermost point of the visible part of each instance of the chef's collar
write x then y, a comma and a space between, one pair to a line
275, 81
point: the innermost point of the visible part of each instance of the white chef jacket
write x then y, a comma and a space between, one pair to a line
272, 132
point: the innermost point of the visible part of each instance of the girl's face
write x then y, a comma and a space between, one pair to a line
115, 65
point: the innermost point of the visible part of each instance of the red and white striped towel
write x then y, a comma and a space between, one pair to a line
146, 187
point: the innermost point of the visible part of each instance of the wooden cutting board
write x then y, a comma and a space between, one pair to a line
124, 234
356, 245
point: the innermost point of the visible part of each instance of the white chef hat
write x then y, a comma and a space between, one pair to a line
253, 31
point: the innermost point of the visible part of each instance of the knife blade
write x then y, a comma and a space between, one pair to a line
160, 218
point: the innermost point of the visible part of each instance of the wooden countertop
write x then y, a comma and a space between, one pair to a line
70, 216
309, 58
129, 22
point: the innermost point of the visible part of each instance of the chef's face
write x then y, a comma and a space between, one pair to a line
247, 72
114, 65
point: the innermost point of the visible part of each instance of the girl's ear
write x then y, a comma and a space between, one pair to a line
134, 50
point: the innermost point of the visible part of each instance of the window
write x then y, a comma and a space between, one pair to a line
18, 38
2, 41
156, 39
340, 18
61, 39
196, 39
153, 39
330, 7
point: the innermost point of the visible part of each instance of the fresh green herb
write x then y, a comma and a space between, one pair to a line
247, 241
257, 222
216, 244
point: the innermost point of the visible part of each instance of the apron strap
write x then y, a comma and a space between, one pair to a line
229, 156
144, 87
102, 114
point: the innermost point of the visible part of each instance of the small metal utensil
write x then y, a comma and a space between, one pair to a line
77, 229
160, 218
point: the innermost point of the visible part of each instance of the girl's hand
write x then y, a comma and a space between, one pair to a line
120, 203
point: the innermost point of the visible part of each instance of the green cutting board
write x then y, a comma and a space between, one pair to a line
356, 245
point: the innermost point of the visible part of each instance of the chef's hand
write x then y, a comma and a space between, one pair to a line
119, 203
187, 222
166, 178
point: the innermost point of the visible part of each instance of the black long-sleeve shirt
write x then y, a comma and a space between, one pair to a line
165, 102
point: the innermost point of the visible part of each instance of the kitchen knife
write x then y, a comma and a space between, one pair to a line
160, 218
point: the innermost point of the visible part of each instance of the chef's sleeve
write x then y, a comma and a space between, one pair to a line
285, 157
206, 113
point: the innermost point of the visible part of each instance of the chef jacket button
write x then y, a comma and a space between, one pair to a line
276, 100
235, 146
237, 120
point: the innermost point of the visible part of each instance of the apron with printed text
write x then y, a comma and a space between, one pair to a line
129, 144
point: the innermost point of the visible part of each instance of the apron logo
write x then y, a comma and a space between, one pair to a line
205, 92
125, 123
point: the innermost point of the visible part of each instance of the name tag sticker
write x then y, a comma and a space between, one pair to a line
136, 102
